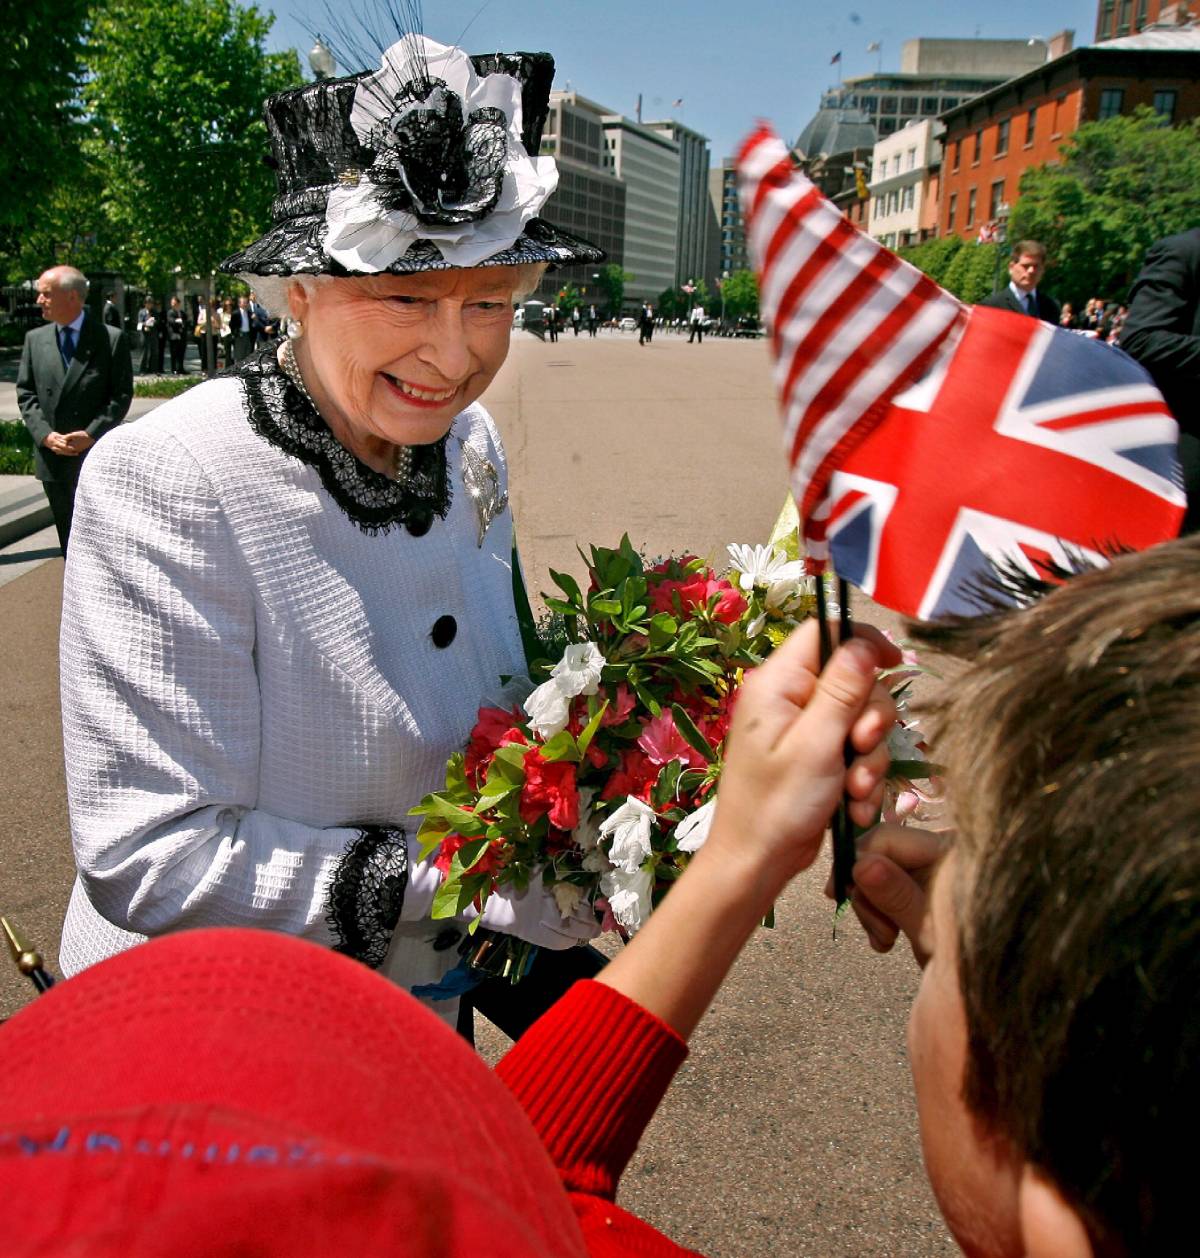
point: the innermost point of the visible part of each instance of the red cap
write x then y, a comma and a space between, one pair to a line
232, 1091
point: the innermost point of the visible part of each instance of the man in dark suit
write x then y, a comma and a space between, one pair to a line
112, 314
243, 330
261, 321
75, 382
1025, 268
1162, 331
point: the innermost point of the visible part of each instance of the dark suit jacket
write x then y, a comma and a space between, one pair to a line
1048, 310
93, 396
1162, 331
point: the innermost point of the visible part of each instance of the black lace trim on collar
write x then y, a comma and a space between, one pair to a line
280, 414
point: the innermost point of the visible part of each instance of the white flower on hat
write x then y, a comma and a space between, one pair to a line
363, 233
629, 829
628, 893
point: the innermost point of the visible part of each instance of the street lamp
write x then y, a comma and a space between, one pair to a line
721, 286
320, 59
1003, 210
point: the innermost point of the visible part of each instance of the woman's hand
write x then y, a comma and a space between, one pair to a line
785, 768
533, 915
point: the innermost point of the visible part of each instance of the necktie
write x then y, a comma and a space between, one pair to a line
1031, 305
67, 346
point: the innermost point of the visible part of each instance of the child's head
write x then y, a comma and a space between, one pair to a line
1056, 1036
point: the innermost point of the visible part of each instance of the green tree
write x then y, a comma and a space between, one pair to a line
1121, 185
671, 303
933, 256
568, 298
174, 93
974, 271
611, 283
39, 122
741, 294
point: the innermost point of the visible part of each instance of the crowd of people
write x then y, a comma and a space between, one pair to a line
162, 333
287, 594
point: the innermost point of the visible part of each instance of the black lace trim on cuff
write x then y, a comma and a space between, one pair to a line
367, 894
281, 415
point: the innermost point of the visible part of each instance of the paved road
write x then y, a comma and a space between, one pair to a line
791, 1128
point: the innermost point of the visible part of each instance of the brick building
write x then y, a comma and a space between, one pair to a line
1116, 18
994, 138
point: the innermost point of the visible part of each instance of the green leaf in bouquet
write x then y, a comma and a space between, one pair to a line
915, 770
526, 624
467, 857
691, 735
569, 586
559, 605
561, 747
604, 607
645, 698
663, 629
430, 835
456, 773
508, 769
453, 898
512, 754
665, 788
584, 741
691, 780
461, 821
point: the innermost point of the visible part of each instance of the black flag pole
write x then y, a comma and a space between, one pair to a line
842, 827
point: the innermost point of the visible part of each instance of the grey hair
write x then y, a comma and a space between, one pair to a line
70, 280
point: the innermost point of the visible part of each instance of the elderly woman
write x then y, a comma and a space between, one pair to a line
291, 588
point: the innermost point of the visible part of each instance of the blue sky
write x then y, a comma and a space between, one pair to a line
731, 62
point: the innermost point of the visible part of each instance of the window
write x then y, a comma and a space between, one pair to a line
1143, 5
997, 199
1002, 137
1030, 126
908, 104
950, 102
1164, 103
906, 198
929, 104
1111, 99
1123, 18
971, 208
887, 104
912, 159
879, 207
1106, 15
956, 153
978, 147
887, 126
953, 206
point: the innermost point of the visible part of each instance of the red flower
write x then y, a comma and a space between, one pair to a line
493, 728
636, 776
488, 863
550, 788
694, 593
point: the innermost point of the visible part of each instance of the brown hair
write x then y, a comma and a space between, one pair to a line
1034, 248
1072, 740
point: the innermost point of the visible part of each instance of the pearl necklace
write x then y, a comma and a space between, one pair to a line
291, 369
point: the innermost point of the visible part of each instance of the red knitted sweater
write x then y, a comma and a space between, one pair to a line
590, 1073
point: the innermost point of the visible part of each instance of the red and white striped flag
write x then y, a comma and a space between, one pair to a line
851, 324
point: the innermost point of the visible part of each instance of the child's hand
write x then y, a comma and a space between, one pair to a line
785, 770
895, 866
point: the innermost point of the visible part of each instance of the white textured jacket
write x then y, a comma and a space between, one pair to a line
252, 680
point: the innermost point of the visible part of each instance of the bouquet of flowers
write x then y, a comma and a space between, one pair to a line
605, 781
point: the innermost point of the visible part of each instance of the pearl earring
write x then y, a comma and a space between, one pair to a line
295, 329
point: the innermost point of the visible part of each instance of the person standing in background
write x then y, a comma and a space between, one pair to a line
176, 335
147, 325
1025, 270
1162, 331
75, 382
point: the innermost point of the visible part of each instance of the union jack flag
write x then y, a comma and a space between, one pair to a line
928, 441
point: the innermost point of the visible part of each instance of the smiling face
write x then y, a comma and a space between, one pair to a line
390, 360
975, 1177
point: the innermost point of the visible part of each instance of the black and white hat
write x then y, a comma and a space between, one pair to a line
428, 163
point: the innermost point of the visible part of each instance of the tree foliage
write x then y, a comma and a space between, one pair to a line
740, 291
39, 119
1122, 184
174, 97
933, 256
611, 283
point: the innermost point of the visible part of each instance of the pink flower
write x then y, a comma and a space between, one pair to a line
662, 742
488, 863
619, 707
550, 788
